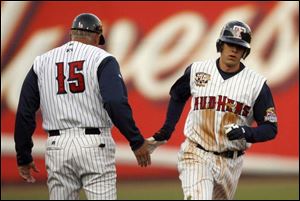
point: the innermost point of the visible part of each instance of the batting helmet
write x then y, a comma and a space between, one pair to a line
88, 22
238, 33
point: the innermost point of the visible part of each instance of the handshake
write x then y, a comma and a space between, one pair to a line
153, 144
143, 153
159, 138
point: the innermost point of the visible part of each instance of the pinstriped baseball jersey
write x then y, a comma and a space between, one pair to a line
69, 89
80, 91
224, 95
217, 102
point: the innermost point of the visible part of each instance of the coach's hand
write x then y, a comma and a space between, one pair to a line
25, 173
142, 155
234, 131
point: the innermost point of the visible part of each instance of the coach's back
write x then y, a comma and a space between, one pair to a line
69, 89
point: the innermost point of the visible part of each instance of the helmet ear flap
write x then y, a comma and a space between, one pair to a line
219, 45
101, 40
246, 53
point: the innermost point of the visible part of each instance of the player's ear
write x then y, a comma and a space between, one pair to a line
97, 38
94, 38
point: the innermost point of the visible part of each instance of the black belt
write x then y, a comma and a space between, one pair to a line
226, 154
88, 131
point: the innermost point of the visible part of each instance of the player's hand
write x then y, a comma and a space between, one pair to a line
25, 172
234, 131
153, 144
142, 155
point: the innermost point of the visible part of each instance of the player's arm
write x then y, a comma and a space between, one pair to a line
25, 124
264, 115
180, 93
115, 101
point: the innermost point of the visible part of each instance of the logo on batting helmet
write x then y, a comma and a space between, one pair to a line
88, 22
238, 33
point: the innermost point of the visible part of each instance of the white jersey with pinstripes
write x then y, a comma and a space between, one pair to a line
217, 102
69, 88
70, 102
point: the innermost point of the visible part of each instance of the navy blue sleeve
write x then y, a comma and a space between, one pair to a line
115, 101
180, 93
25, 124
265, 116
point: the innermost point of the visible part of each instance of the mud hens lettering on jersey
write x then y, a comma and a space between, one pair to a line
221, 103
217, 101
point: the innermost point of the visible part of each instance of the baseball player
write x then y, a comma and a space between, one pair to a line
226, 97
81, 94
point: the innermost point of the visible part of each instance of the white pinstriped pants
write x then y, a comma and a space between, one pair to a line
206, 176
74, 160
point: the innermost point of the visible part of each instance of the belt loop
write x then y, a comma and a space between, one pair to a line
53, 133
235, 154
92, 131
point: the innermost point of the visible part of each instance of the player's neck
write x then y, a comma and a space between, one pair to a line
82, 40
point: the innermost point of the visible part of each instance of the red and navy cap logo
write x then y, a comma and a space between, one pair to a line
237, 31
